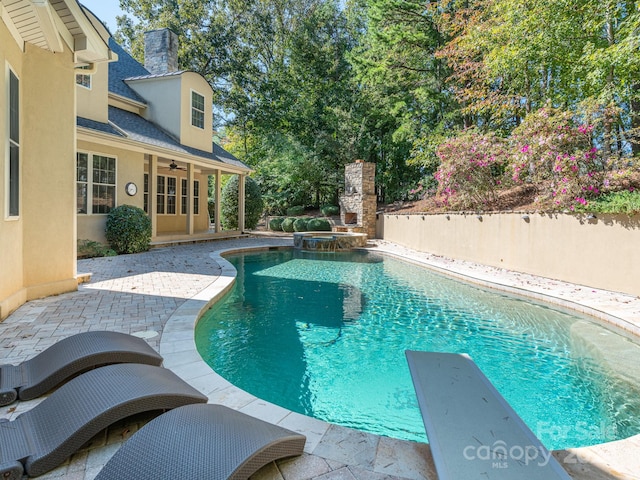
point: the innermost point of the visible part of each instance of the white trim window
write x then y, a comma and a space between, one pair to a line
167, 195
172, 192
96, 174
160, 194
83, 80
196, 197
145, 200
184, 195
13, 152
197, 109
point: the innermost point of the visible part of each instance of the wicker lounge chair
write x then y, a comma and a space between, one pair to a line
473, 432
201, 441
43, 437
68, 358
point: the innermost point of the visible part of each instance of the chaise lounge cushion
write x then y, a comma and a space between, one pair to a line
42, 438
70, 357
210, 442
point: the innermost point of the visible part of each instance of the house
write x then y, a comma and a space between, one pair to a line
85, 128
42, 43
144, 138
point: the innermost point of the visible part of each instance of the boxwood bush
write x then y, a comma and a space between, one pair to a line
295, 210
275, 224
319, 225
287, 224
330, 210
128, 229
300, 224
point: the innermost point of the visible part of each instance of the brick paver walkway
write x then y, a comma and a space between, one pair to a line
137, 294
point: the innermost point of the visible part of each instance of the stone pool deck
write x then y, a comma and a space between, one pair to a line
159, 294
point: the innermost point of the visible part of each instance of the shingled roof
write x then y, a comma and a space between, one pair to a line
126, 67
125, 124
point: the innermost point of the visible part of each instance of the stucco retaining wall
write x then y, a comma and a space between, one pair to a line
603, 252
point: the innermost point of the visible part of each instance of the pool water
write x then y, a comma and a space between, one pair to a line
324, 334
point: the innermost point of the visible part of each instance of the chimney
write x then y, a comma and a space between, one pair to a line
161, 51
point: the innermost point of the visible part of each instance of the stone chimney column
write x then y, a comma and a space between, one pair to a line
359, 202
161, 51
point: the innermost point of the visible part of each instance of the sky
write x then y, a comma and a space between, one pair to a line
105, 10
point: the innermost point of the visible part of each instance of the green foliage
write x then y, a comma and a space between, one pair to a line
275, 224
307, 86
128, 229
300, 224
253, 205
91, 249
287, 224
330, 210
319, 225
616, 202
295, 210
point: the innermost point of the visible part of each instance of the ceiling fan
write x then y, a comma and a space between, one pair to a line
173, 166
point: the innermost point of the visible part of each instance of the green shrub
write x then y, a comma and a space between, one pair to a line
300, 224
319, 225
615, 202
287, 224
330, 210
253, 204
275, 224
91, 249
128, 229
295, 210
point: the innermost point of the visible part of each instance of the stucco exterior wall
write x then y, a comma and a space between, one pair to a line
602, 253
48, 160
163, 101
93, 103
12, 293
177, 224
129, 168
37, 257
189, 135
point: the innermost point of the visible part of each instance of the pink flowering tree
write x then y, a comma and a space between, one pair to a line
471, 170
555, 152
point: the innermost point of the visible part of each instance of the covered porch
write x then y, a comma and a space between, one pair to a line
176, 194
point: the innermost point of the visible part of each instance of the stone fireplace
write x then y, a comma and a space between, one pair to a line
358, 203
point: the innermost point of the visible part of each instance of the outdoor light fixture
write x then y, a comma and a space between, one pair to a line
591, 216
479, 217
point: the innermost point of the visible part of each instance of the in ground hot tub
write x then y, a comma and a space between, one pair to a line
329, 241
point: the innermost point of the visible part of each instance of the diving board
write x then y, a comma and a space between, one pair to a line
473, 432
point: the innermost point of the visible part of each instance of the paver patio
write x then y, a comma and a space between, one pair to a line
158, 294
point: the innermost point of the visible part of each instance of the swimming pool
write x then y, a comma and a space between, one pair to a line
325, 334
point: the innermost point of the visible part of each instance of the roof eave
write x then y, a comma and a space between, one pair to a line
90, 135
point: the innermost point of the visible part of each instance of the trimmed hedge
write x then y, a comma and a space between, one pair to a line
295, 211
319, 225
275, 224
300, 224
287, 224
330, 210
128, 229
